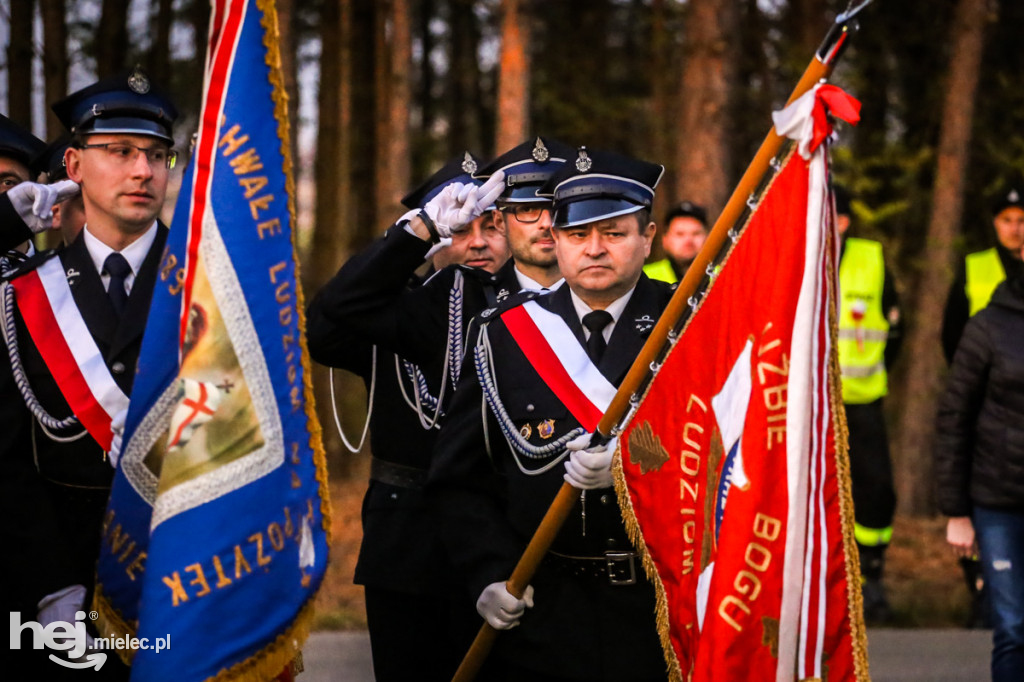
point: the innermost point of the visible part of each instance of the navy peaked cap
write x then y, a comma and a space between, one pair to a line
125, 103
527, 167
598, 184
460, 169
18, 143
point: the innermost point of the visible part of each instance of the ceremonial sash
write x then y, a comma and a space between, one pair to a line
56, 326
560, 361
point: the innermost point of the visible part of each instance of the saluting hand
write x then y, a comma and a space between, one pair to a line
34, 202
459, 204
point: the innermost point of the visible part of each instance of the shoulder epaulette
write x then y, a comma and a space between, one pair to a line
507, 303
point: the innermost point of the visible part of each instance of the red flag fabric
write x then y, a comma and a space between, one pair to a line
733, 475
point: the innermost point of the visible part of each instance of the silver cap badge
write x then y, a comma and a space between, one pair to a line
540, 153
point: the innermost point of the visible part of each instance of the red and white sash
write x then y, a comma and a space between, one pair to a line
562, 363
68, 349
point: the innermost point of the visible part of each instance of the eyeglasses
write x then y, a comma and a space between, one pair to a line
526, 213
125, 154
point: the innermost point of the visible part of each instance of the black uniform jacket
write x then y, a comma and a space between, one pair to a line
370, 296
55, 493
488, 508
400, 549
979, 445
13, 230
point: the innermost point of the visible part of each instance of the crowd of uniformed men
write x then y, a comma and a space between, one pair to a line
469, 443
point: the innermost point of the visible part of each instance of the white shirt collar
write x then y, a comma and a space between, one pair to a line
529, 284
135, 253
614, 309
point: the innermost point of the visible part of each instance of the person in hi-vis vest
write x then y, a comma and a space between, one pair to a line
976, 279
980, 273
869, 338
686, 228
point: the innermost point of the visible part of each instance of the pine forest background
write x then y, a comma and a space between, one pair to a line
382, 93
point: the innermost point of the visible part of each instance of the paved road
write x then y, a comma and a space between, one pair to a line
895, 656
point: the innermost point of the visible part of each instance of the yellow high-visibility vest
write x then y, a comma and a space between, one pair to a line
984, 273
863, 327
661, 270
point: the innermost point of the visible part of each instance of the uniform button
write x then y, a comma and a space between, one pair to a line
117, 368
394, 496
612, 543
529, 408
605, 499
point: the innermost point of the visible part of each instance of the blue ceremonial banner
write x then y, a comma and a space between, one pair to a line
216, 533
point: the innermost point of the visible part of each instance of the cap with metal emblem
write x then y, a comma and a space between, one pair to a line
599, 185
18, 143
527, 167
1011, 198
51, 160
127, 103
459, 169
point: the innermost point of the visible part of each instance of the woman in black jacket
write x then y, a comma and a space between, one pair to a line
979, 464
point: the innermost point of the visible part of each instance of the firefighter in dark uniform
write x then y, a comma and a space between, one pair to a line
363, 306
417, 631
976, 280
18, 147
56, 476
370, 294
869, 340
28, 209
589, 612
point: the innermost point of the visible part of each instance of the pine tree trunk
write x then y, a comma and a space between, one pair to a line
364, 115
513, 76
55, 64
19, 64
912, 455
160, 56
112, 38
395, 144
708, 81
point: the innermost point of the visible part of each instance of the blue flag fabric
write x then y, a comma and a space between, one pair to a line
216, 533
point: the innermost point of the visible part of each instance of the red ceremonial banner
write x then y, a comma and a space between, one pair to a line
730, 478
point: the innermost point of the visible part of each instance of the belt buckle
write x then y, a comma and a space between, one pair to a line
613, 558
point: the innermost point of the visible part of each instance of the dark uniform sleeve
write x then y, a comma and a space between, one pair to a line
957, 417
13, 230
891, 310
35, 556
958, 311
466, 493
369, 298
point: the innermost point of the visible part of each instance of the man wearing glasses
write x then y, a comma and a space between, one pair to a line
78, 315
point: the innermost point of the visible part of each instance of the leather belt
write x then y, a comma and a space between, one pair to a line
618, 568
398, 475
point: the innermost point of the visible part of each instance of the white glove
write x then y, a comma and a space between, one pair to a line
500, 609
589, 467
458, 204
34, 202
61, 605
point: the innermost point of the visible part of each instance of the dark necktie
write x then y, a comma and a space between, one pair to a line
117, 267
596, 321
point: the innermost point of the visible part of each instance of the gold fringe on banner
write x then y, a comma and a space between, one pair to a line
110, 623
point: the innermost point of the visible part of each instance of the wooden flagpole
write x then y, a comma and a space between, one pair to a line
820, 68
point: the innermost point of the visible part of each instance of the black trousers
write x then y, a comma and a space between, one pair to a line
418, 637
874, 498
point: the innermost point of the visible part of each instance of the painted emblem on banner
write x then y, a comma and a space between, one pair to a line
646, 450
